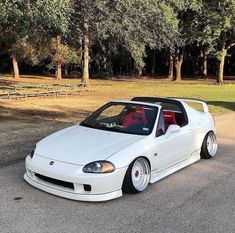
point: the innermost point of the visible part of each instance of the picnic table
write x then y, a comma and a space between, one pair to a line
32, 90
44, 85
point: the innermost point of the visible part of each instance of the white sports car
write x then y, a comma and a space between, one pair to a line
122, 147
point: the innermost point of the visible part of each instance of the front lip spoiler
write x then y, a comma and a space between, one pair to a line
74, 196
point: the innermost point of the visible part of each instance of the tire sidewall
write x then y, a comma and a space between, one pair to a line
128, 186
204, 149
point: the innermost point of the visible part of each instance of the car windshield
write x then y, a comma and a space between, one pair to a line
128, 118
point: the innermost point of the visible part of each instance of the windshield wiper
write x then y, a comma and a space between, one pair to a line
86, 125
110, 129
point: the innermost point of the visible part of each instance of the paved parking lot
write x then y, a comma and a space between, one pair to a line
199, 198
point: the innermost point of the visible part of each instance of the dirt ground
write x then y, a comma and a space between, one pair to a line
18, 137
225, 126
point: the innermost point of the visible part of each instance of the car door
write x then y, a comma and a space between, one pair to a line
169, 148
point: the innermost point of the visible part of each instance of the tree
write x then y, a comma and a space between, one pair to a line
3, 19
86, 16
223, 15
133, 24
216, 31
9, 15
26, 21
61, 54
137, 24
186, 12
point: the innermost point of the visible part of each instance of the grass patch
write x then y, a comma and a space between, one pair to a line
220, 99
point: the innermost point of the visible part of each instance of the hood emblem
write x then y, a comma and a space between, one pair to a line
52, 162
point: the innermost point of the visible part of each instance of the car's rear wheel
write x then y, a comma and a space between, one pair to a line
137, 176
209, 146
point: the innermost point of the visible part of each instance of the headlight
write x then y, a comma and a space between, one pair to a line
99, 167
32, 152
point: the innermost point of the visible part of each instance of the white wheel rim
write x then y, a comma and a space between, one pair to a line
211, 144
140, 174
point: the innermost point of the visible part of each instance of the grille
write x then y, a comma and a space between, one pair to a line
55, 181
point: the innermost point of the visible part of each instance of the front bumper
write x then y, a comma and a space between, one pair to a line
103, 186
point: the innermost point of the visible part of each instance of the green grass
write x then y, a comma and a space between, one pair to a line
219, 98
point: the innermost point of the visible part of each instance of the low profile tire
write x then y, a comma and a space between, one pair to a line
209, 146
137, 176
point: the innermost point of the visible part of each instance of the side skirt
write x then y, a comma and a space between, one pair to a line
158, 175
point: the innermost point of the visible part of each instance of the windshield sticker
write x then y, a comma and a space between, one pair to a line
111, 125
146, 129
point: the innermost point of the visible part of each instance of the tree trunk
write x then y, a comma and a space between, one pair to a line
171, 68
16, 74
154, 63
178, 71
204, 63
130, 66
66, 68
85, 74
58, 73
120, 70
140, 71
220, 77
110, 68
178, 64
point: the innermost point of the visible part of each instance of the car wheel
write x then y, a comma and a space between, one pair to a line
209, 146
137, 176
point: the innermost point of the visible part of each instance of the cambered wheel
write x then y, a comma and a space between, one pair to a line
137, 176
209, 146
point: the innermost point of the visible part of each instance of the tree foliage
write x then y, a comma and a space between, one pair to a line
25, 23
215, 28
97, 32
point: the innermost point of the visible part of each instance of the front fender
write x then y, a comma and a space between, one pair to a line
125, 157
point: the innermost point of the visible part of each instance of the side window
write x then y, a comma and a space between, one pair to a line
161, 125
180, 115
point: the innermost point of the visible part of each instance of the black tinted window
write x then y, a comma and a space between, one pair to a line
123, 117
161, 125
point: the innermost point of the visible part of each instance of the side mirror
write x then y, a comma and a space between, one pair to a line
172, 129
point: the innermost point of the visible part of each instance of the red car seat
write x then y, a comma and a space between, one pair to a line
169, 117
135, 118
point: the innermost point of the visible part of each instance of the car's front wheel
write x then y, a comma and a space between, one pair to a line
137, 176
209, 146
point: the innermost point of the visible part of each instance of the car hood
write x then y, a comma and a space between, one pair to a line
81, 145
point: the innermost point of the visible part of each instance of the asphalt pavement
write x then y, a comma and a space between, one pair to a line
199, 198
